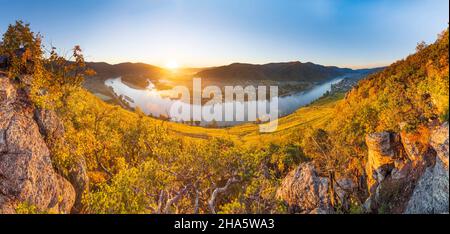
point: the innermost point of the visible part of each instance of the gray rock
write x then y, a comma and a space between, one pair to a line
417, 183
49, 123
305, 191
440, 143
8, 95
431, 192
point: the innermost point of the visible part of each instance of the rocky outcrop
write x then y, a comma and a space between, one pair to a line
26, 172
405, 173
50, 126
78, 177
381, 157
408, 173
439, 141
431, 194
306, 192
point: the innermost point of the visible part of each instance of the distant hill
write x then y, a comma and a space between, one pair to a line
138, 73
133, 73
290, 71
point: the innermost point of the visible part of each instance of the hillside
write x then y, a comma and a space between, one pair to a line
409, 93
400, 108
134, 73
105, 70
292, 71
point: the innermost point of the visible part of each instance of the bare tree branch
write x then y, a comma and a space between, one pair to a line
175, 199
217, 191
160, 202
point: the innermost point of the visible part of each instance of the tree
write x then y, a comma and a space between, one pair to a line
420, 46
53, 78
67, 73
22, 47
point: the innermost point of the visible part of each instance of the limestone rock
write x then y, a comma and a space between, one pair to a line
49, 123
344, 186
414, 150
391, 177
7, 94
7, 98
305, 191
381, 157
417, 183
431, 192
78, 177
439, 141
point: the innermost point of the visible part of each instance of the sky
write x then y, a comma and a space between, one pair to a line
200, 33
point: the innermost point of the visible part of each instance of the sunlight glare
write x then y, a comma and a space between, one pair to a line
172, 65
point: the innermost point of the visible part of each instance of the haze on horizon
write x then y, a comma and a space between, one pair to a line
201, 33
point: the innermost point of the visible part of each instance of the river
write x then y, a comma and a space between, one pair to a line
157, 102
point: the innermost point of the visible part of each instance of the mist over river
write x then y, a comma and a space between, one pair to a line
158, 103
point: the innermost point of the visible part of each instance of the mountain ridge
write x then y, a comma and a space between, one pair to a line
279, 71
105, 70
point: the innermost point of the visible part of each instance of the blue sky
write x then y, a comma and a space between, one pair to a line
346, 33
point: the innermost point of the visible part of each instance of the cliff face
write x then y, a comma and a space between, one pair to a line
412, 173
405, 173
291, 71
26, 172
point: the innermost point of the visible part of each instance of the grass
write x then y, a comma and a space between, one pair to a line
316, 115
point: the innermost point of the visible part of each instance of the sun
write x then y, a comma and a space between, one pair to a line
172, 65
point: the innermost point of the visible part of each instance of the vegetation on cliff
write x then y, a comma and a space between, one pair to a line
405, 96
